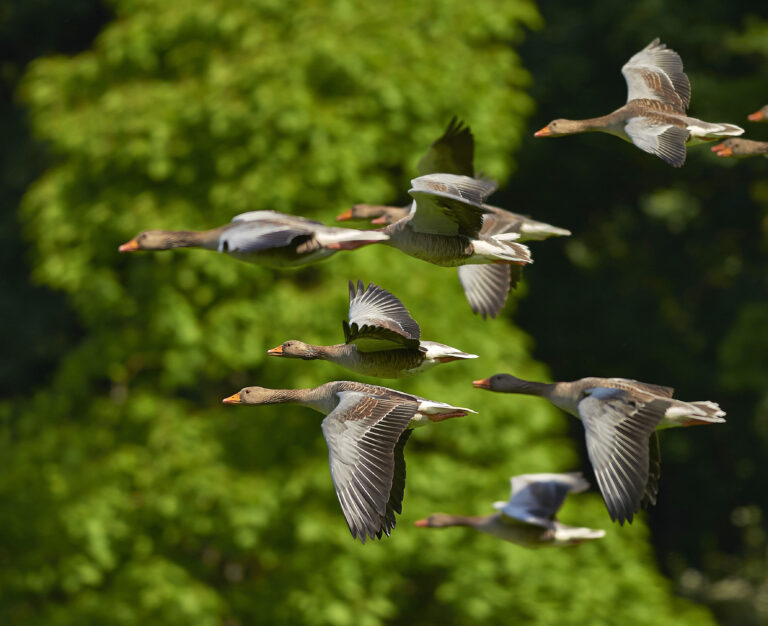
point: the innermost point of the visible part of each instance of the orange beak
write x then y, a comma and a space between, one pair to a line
233, 399
276, 351
718, 147
347, 215
756, 116
483, 383
421, 523
725, 153
129, 246
544, 132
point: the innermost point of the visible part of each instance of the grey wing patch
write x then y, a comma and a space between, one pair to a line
378, 320
486, 286
363, 433
254, 236
540, 496
659, 390
666, 141
276, 218
397, 492
446, 204
654, 472
618, 430
453, 152
656, 73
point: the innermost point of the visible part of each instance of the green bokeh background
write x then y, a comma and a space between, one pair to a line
131, 495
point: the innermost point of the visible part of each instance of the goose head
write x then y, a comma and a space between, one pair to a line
759, 116
437, 520
295, 349
252, 395
151, 240
503, 383
560, 127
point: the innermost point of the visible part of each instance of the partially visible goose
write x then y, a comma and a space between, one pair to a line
620, 417
528, 518
377, 213
264, 237
485, 286
497, 219
381, 339
366, 430
759, 116
654, 117
444, 228
741, 148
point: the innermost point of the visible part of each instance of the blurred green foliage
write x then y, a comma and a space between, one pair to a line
134, 496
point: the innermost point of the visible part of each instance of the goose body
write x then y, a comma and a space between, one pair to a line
265, 238
366, 429
444, 228
528, 518
741, 148
620, 418
382, 339
654, 117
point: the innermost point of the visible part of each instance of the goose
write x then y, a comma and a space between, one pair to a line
528, 518
654, 117
443, 228
266, 238
759, 116
528, 228
620, 418
381, 339
741, 148
485, 286
366, 429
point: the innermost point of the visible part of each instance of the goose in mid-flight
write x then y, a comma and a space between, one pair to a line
528, 518
654, 117
381, 339
620, 419
263, 237
444, 227
366, 429
485, 286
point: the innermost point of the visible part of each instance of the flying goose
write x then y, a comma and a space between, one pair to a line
263, 237
654, 117
485, 286
381, 339
444, 228
366, 430
528, 518
741, 148
620, 417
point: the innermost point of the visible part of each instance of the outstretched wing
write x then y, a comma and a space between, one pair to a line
364, 433
447, 204
486, 286
378, 320
452, 153
254, 236
618, 429
536, 498
664, 140
656, 73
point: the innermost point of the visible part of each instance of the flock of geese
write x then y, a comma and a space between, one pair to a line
448, 223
